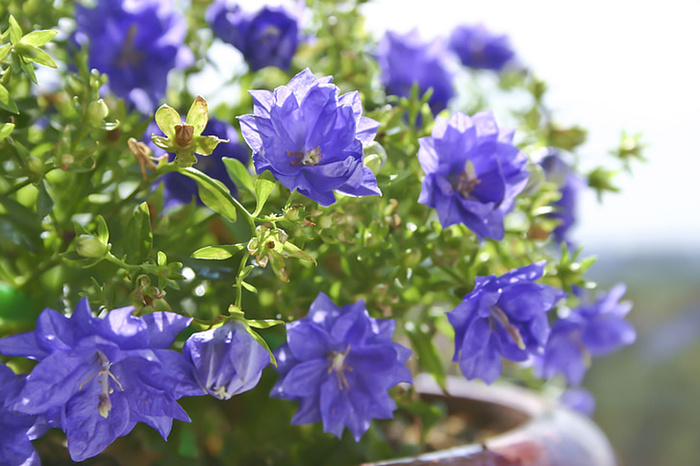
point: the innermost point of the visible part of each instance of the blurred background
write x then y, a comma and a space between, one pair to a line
614, 66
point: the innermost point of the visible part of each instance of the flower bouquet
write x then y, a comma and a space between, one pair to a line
269, 257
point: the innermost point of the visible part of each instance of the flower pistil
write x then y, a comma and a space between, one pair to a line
338, 365
104, 405
312, 157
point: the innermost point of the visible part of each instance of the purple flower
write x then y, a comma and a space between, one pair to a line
578, 399
16, 429
472, 172
96, 378
570, 185
180, 189
503, 316
338, 363
269, 37
590, 330
227, 359
136, 43
406, 60
311, 138
477, 48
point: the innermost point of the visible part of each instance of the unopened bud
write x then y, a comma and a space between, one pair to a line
375, 156
97, 111
35, 166
90, 247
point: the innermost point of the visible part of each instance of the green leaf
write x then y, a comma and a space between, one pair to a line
198, 115
6, 101
166, 118
43, 58
102, 230
39, 38
239, 173
427, 352
5, 130
139, 237
249, 287
212, 192
28, 69
218, 252
5, 51
265, 323
44, 203
15, 30
263, 188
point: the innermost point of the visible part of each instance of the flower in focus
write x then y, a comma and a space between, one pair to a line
570, 185
180, 189
96, 378
503, 316
136, 43
338, 363
578, 399
268, 37
311, 139
477, 48
227, 359
472, 172
406, 60
16, 429
590, 330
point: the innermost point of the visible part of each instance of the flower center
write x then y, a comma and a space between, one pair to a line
338, 366
499, 316
104, 405
466, 181
129, 56
308, 158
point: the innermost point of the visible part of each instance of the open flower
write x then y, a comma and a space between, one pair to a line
570, 185
590, 330
136, 44
503, 316
96, 378
478, 48
472, 172
338, 363
311, 139
268, 37
227, 359
406, 60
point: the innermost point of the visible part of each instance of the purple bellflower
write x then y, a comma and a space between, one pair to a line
503, 316
406, 60
16, 429
96, 378
590, 330
136, 43
472, 172
227, 359
477, 48
180, 189
570, 185
268, 37
339, 363
311, 139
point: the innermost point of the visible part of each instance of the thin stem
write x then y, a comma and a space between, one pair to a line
115, 260
239, 280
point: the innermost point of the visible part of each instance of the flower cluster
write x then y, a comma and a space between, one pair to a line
477, 48
136, 44
338, 363
503, 316
472, 172
268, 37
406, 60
311, 138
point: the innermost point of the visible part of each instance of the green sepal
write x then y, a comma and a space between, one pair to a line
218, 252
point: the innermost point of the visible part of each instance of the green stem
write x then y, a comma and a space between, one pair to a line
17, 187
239, 280
115, 260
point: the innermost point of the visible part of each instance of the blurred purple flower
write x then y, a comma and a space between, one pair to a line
591, 330
17, 430
503, 316
311, 138
472, 172
570, 185
136, 43
180, 189
579, 399
96, 378
477, 48
268, 37
406, 59
227, 359
339, 363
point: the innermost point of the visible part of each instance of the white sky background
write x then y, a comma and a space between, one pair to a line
610, 65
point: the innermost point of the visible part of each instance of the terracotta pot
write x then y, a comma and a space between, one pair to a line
528, 430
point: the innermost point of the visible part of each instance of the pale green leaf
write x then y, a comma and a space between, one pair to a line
263, 188
5, 130
39, 38
217, 252
239, 173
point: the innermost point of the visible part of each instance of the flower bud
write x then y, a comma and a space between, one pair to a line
35, 166
90, 247
97, 111
375, 156
227, 360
